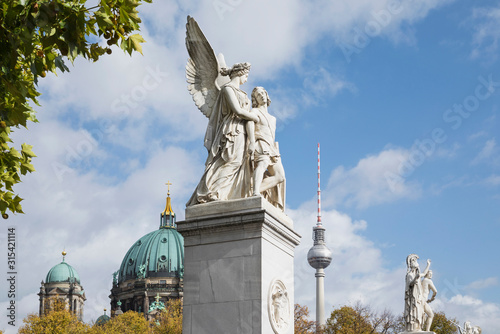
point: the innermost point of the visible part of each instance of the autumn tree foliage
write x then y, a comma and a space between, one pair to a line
129, 322
349, 320
170, 320
442, 325
56, 321
36, 36
59, 320
361, 319
302, 324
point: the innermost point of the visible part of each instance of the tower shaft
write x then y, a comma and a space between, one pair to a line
320, 297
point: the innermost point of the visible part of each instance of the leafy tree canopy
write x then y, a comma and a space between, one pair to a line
129, 322
302, 325
57, 320
36, 36
442, 325
349, 320
361, 319
170, 320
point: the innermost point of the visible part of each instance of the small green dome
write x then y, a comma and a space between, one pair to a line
157, 254
102, 320
62, 272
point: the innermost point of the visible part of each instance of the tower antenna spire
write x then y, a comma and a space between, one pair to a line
319, 189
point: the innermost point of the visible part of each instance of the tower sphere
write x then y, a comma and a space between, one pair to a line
319, 256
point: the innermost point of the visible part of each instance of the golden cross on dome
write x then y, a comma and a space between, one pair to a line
168, 185
157, 297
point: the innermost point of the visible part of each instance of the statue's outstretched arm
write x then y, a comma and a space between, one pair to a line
426, 269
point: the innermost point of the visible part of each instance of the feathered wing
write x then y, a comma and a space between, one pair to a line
202, 68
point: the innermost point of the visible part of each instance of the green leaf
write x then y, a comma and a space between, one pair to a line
26, 149
136, 42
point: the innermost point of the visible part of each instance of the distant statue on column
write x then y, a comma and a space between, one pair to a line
414, 295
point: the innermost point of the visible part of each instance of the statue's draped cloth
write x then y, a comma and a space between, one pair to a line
227, 170
414, 302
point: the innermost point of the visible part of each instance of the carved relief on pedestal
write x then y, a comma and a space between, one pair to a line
279, 307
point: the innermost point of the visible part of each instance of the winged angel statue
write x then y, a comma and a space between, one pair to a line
232, 126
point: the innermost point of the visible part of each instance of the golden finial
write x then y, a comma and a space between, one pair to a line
64, 254
168, 207
168, 185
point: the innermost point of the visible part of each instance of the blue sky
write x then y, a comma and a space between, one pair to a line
403, 97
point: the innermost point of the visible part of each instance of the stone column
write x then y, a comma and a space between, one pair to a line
238, 262
42, 304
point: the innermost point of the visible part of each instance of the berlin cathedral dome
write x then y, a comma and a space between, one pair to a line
153, 268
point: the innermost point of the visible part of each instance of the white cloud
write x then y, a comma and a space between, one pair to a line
465, 300
486, 37
355, 24
374, 180
486, 153
483, 283
449, 152
479, 313
274, 35
492, 180
477, 135
321, 83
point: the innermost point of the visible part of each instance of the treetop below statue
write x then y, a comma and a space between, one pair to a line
243, 156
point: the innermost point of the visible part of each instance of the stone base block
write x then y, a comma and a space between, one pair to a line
238, 268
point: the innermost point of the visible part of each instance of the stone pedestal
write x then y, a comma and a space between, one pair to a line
238, 268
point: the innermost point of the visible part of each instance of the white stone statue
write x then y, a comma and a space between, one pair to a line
427, 287
415, 299
216, 92
469, 329
268, 174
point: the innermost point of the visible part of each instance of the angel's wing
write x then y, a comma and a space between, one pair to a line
202, 68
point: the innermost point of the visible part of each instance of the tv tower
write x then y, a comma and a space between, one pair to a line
319, 257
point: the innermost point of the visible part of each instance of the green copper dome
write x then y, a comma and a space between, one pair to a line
157, 254
103, 319
62, 272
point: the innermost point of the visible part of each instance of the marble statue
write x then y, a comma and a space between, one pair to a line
42, 288
142, 271
427, 287
268, 173
115, 278
415, 299
216, 92
469, 329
